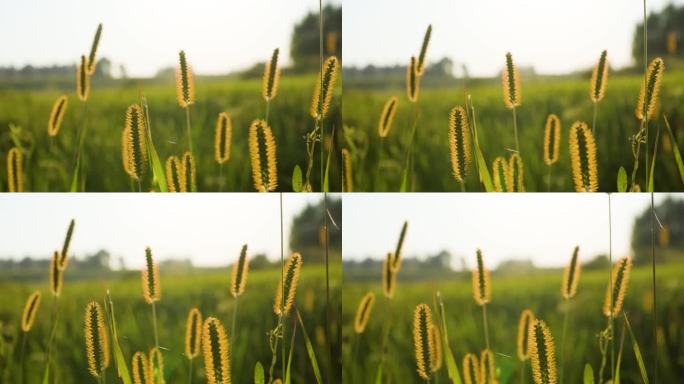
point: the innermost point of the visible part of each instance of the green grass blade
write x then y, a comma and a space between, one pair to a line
310, 351
622, 180
616, 380
404, 180
297, 179
588, 374
288, 375
120, 360
326, 179
378, 375
258, 373
452, 366
655, 153
46, 376
482, 168
158, 172
675, 150
637, 352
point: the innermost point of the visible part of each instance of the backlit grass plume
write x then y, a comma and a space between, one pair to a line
387, 116
412, 80
150, 278
420, 69
389, 276
599, 76
515, 166
30, 310
542, 354
56, 275
264, 169
526, 319
57, 115
185, 86
436, 340
289, 285
222, 138
156, 365
396, 261
481, 283
189, 172
15, 170
135, 153
471, 369
571, 276
648, 96
175, 177
64, 255
511, 83
193, 333
324, 90
583, 158
423, 343
487, 367
82, 79
215, 347
239, 272
347, 175
619, 289
363, 312
552, 134
502, 177
271, 77
92, 57
459, 144
142, 374
96, 340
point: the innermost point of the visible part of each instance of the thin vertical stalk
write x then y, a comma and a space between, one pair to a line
562, 350
593, 124
187, 123
21, 357
610, 282
320, 105
522, 373
190, 374
329, 322
154, 325
645, 120
53, 332
268, 107
548, 180
377, 169
232, 327
282, 286
484, 323
653, 278
221, 177
515, 131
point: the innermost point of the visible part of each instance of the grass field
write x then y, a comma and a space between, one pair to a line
208, 291
48, 166
510, 295
568, 97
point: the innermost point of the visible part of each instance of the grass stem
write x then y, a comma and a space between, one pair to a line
484, 323
187, 122
653, 279
154, 324
515, 131
610, 282
562, 348
231, 337
190, 374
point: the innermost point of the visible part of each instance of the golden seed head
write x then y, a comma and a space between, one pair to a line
30, 310
134, 142
396, 260
363, 312
617, 292
82, 79
64, 255
55, 275
271, 77
57, 115
15, 170
552, 134
526, 319
423, 343
412, 80
222, 139
239, 273
420, 69
215, 347
542, 353
648, 96
175, 177
389, 276
264, 174
571, 276
599, 76
481, 283
487, 367
96, 339
189, 172
347, 176
503, 178
156, 365
583, 158
511, 83
387, 116
459, 143
324, 90
436, 341
193, 333
142, 372
185, 86
150, 278
471, 369
92, 57
289, 285
515, 166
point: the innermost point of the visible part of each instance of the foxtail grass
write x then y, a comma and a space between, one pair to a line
568, 290
436, 341
583, 158
222, 140
526, 320
347, 175
134, 144
471, 369
487, 367
175, 176
193, 337
423, 343
238, 282
389, 276
157, 366
516, 173
56, 275
420, 68
216, 352
82, 79
283, 302
64, 254
92, 57
511, 92
647, 105
482, 291
396, 261
142, 373
27, 318
542, 354
412, 92
15, 170
185, 92
459, 145
615, 294
599, 77
57, 115
151, 288
503, 178
363, 312
189, 172
387, 117
271, 81
96, 340
262, 152
552, 135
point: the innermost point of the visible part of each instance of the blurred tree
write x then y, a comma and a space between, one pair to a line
671, 235
306, 232
665, 28
305, 38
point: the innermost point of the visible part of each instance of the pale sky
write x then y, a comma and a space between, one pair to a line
218, 36
554, 36
209, 228
542, 227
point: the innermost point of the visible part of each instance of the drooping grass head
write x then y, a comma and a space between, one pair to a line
423, 51
135, 153
215, 348
64, 255
96, 339
15, 170
471, 369
288, 285
142, 373
516, 173
185, 86
324, 89
57, 115
347, 175
30, 310
511, 83
92, 57
552, 134
222, 138
583, 158
571, 276
526, 319
271, 77
389, 276
615, 295
55, 275
175, 178
459, 144
150, 278
542, 353
387, 116
262, 143
599, 76
423, 343
481, 283
82, 79
363, 312
412, 80
193, 333
648, 96
396, 260
239, 272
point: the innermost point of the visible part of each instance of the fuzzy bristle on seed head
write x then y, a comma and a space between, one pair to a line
583, 158
481, 282
648, 96
222, 138
542, 353
502, 176
552, 134
239, 272
324, 89
511, 83
389, 276
57, 115
56, 275
363, 312
396, 261
271, 77
412, 80
82, 79
185, 86
156, 365
64, 255
175, 178
526, 319
150, 278
471, 369
347, 175
15, 170
387, 116
288, 285
142, 372
189, 172
459, 144
96, 339
515, 166
193, 333
135, 151
436, 342
617, 292
264, 170
571, 276
487, 367
30, 310
420, 69
92, 57
422, 320
599, 76
215, 347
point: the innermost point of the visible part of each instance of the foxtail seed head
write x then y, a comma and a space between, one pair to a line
222, 139
387, 116
175, 178
264, 173
324, 90
64, 255
15, 170
571, 276
189, 173
526, 319
92, 57
271, 77
487, 367
503, 178
57, 115
150, 278
185, 86
396, 261
363, 312
156, 366
215, 347
436, 340
289, 285
459, 143
142, 373
389, 276
542, 353
617, 292
82, 79
648, 96
583, 158
239, 272
481, 283
423, 343
135, 153
96, 339
193, 333
412, 80
55, 275
30, 310
511, 83
515, 165
552, 134
420, 69
599, 76
347, 175
471, 369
